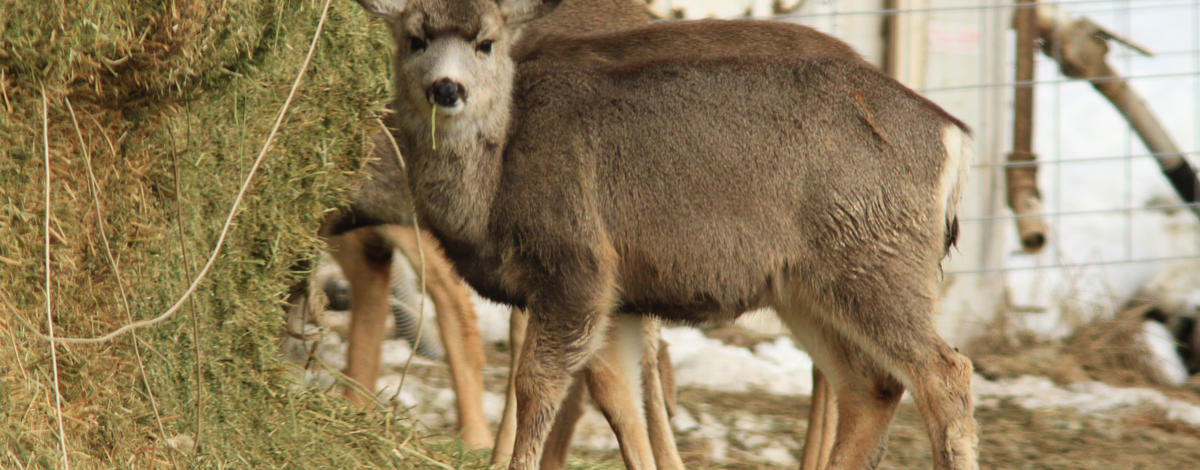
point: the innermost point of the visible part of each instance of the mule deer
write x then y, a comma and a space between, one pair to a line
364, 256
580, 175
363, 249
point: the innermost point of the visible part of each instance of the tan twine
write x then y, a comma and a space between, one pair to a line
224, 228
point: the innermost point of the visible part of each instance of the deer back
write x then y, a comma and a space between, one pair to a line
707, 161
773, 147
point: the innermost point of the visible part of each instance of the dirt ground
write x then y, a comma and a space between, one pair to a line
762, 431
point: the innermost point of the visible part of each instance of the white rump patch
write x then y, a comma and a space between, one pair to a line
959, 153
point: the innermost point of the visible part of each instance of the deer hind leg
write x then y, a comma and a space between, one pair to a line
458, 327
941, 386
822, 424
518, 320
366, 261
879, 340
938, 376
853, 400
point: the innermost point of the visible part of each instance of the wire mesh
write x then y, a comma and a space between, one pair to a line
1114, 220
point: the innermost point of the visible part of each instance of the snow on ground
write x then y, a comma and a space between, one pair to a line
775, 367
1086, 397
771, 368
1164, 352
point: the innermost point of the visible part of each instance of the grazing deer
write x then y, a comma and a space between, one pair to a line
694, 171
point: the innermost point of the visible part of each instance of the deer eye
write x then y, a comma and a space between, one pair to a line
484, 46
416, 44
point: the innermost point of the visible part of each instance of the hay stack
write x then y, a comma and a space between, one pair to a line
174, 100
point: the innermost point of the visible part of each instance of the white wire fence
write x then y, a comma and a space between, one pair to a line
1113, 219
1094, 172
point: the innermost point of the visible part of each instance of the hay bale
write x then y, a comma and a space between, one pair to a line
160, 89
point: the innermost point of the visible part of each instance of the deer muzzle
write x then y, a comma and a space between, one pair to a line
446, 93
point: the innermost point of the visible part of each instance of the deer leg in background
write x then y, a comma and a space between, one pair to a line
666, 376
459, 328
1021, 174
554, 456
366, 261
658, 396
517, 322
1080, 47
822, 424
304, 307
615, 381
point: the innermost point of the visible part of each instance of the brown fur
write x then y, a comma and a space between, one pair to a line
581, 182
384, 198
458, 327
366, 263
365, 259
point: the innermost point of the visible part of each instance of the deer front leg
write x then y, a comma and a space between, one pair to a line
505, 437
563, 334
614, 400
554, 455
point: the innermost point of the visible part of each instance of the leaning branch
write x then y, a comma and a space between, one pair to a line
1079, 46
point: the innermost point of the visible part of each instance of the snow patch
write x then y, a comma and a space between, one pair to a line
1163, 354
1085, 397
776, 367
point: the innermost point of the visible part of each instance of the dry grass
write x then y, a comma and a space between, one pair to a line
1109, 350
173, 100
1011, 437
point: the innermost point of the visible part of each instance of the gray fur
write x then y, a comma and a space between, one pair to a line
692, 170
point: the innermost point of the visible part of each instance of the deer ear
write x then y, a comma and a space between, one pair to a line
519, 12
384, 8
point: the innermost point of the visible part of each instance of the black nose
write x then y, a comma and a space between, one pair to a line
446, 92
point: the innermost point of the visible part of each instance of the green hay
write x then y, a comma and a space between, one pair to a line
192, 87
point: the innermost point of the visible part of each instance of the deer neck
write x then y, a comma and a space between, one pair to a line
454, 185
